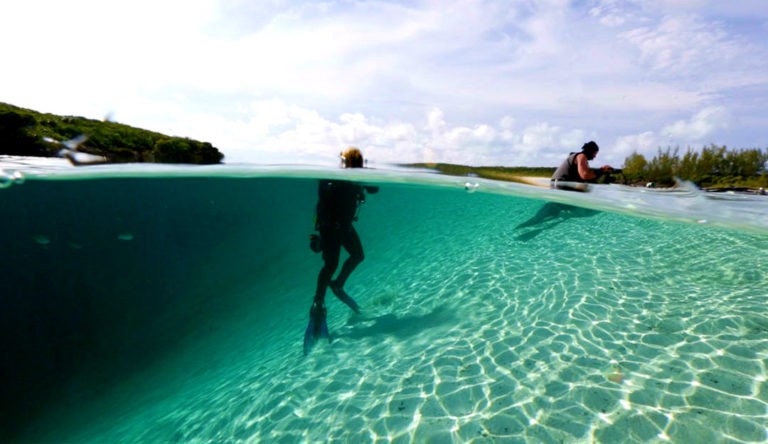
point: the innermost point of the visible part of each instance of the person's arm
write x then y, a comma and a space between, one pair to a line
583, 167
321, 208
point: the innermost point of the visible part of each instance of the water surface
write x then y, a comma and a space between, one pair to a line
159, 304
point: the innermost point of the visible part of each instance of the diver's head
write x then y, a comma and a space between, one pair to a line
590, 149
352, 158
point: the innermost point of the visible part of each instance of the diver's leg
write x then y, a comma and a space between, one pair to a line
331, 253
317, 327
351, 242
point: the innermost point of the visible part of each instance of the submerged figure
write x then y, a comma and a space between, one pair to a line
576, 168
548, 216
337, 206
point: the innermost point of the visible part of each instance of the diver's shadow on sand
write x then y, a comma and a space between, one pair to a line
401, 327
550, 215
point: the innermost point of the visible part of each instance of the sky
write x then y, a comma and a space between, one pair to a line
486, 82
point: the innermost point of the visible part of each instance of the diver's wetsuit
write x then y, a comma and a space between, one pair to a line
568, 170
336, 210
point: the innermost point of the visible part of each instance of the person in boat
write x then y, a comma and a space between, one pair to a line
337, 206
575, 168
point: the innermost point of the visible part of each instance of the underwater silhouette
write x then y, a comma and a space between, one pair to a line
550, 215
337, 206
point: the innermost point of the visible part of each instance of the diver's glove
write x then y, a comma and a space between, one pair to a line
315, 243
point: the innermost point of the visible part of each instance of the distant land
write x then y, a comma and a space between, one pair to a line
25, 132
713, 168
509, 174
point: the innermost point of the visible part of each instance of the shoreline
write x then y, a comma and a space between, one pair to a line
12, 162
535, 181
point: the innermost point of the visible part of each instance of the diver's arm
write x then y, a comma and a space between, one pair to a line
321, 208
583, 166
603, 171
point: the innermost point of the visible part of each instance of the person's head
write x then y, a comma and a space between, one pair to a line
352, 158
590, 149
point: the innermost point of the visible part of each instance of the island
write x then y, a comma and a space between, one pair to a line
25, 132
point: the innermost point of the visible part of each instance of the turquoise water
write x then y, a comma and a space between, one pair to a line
157, 304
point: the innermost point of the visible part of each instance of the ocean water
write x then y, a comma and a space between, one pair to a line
168, 304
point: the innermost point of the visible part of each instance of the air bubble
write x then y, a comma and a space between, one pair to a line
5, 180
18, 177
471, 187
8, 179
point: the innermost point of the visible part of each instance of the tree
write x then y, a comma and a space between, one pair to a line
709, 163
688, 167
172, 150
714, 165
15, 136
634, 167
662, 168
23, 132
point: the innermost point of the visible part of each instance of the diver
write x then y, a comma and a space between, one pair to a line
337, 205
576, 169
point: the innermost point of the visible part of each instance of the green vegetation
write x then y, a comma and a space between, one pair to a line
509, 174
713, 167
24, 132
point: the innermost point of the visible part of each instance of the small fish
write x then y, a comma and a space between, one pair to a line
41, 240
125, 236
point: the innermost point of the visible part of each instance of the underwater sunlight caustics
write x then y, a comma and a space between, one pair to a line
170, 304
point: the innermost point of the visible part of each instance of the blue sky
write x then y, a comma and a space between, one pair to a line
473, 82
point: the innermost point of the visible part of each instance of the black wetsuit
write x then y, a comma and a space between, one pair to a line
337, 206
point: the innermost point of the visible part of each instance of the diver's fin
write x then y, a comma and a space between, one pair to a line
317, 327
344, 297
309, 339
324, 330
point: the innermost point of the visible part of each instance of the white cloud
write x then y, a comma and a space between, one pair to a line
699, 127
301, 135
680, 44
612, 13
694, 133
644, 143
538, 136
742, 9
522, 82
